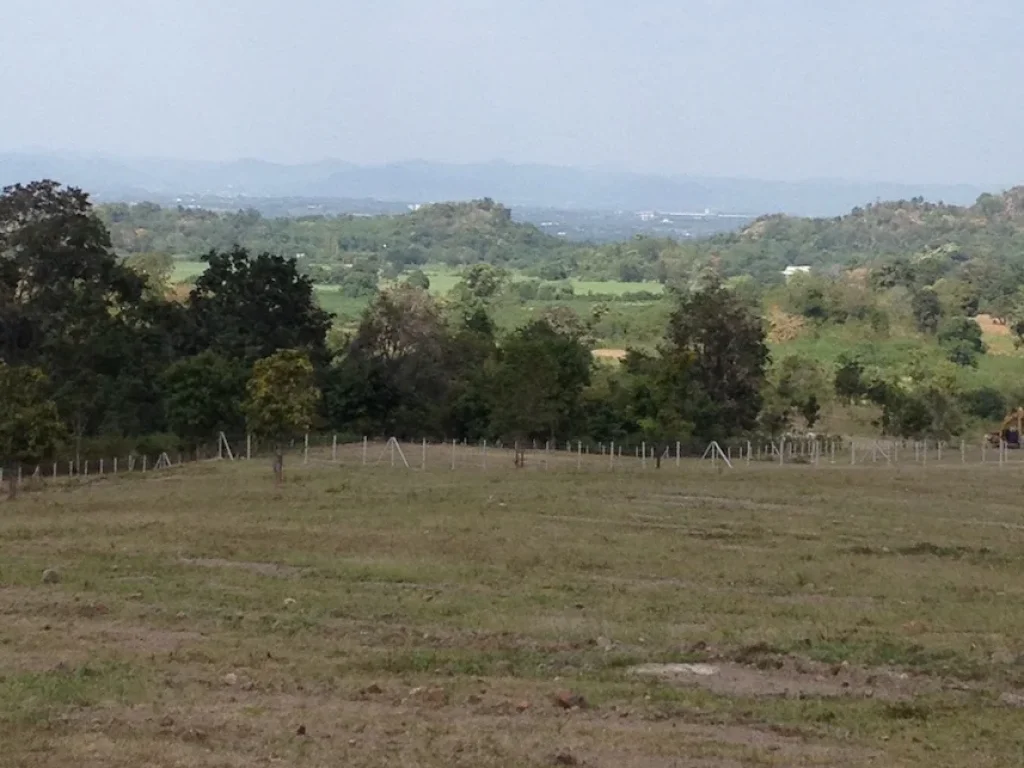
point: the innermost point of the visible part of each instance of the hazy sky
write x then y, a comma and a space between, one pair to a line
899, 90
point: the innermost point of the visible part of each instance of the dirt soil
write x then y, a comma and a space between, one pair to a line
790, 678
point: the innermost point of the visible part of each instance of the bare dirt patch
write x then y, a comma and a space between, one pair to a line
795, 678
403, 727
992, 326
609, 354
76, 641
263, 569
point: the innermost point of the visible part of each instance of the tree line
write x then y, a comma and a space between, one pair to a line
92, 347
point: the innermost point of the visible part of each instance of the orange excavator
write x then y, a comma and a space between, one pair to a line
1010, 430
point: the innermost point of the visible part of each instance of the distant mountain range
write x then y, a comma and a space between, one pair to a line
411, 182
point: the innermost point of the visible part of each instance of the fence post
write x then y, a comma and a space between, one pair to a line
145, 461
55, 469
423, 459
101, 467
963, 453
305, 449
85, 474
547, 450
611, 456
334, 447
579, 455
483, 453
364, 450
453, 453
248, 445
643, 453
853, 453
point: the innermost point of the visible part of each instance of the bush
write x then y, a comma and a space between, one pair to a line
984, 403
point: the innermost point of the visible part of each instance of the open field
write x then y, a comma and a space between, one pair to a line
186, 270
443, 279
374, 616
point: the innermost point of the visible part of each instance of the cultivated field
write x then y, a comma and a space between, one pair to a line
377, 616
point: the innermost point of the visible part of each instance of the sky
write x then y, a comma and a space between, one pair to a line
919, 91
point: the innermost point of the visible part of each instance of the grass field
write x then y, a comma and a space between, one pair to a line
365, 617
443, 279
186, 270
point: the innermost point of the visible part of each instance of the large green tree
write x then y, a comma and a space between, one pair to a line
203, 396
66, 300
538, 382
721, 345
392, 378
247, 307
30, 427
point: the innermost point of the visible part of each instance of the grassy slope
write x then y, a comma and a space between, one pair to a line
427, 618
1001, 368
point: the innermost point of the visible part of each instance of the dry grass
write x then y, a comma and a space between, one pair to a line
203, 618
997, 336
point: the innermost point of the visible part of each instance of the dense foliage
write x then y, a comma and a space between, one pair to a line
107, 352
112, 348
354, 252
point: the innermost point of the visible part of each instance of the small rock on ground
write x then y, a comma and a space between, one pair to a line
51, 576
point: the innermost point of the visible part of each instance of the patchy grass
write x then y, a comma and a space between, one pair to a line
378, 616
187, 270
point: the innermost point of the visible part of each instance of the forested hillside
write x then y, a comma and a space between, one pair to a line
985, 237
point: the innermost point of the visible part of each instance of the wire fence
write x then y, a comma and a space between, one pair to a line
329, 450
326, 450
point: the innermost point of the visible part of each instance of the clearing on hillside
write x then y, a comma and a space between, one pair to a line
772, 616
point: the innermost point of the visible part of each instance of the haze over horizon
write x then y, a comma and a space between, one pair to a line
788, 90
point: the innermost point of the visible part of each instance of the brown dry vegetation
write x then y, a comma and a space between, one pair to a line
615, 355
783, 327
379, 616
